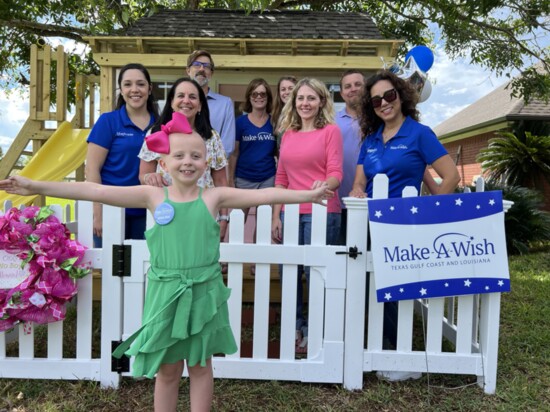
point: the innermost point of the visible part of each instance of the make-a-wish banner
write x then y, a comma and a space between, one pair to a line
434, 246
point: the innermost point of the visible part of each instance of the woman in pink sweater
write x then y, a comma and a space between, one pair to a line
310, 155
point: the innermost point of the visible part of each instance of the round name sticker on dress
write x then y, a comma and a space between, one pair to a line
164, 213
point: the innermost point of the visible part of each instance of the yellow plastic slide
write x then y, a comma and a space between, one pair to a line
62, 154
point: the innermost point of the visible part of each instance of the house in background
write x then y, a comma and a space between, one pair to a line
469, 131
244, 46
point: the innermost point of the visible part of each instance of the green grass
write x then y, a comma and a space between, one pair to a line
523, 382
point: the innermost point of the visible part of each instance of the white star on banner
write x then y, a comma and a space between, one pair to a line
467, 283
387, 296
492, 202
478, 207
446, 284
392, 208
423, 291
500, 283
378, 214
458, 202
401, 290
414, 210
486, 287
437, 203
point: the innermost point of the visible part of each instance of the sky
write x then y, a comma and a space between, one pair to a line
455, 85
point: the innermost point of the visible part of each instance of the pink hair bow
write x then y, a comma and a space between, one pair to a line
159, 142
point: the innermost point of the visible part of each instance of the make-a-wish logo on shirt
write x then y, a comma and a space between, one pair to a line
265, 136
122, 134
372, 150
399, 147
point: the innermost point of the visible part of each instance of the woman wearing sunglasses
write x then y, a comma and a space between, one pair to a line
252, 163
396, 144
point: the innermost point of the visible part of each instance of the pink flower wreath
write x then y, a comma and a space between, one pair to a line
54, 262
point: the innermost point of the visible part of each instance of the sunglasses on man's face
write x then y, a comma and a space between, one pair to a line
261, 95
201, 64
389, 96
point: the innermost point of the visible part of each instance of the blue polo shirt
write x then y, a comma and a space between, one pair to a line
351, 139
115, 132
257, 146
403, 158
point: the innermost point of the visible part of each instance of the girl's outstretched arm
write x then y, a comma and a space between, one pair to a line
131, 196
243, 198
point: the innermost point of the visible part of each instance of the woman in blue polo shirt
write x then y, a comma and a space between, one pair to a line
115, 141
396, 144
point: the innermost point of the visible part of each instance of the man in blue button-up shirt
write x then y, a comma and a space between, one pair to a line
200, 67
352, 84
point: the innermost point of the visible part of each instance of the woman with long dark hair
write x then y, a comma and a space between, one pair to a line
188, 98
115, 140
397, 145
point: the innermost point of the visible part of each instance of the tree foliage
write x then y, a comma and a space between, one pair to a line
500, 35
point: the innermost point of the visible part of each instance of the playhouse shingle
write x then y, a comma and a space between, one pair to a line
276, 24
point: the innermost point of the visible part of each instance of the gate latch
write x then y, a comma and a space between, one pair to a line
353, 252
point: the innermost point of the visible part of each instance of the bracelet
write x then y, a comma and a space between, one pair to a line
145, 177
223, 217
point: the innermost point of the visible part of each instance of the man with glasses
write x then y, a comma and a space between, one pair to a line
352, 84
200, 67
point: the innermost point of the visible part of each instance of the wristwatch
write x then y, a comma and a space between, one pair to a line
223, 217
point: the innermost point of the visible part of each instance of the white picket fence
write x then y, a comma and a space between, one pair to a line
337, 351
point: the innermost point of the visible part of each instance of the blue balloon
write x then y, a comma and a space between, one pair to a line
423, 56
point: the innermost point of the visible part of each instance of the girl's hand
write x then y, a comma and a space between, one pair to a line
318, 183
357, 193
154, 179
321, 193
17, 185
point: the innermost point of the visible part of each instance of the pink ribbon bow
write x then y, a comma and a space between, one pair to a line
159, 142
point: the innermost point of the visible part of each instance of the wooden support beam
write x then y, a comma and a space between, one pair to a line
344, 49
33, 87
294, 48
46, 73
62, 79
27, 133
246, 62
192, 46
107, 84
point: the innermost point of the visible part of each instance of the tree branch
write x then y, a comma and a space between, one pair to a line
73, 33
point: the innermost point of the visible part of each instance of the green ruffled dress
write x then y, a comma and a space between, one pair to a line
185, 315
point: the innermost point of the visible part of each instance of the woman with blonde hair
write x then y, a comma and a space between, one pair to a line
310, 156
284, 90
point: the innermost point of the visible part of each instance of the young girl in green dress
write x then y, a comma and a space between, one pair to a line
185, 317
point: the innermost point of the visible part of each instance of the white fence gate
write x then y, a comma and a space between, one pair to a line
324, 361
337, 351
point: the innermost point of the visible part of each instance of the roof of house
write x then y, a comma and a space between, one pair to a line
494, 107
275, 24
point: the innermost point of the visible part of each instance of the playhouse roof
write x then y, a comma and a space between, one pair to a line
275, 24
352, 36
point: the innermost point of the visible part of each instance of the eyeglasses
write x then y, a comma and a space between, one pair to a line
208, 66
389, 96
261, 95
